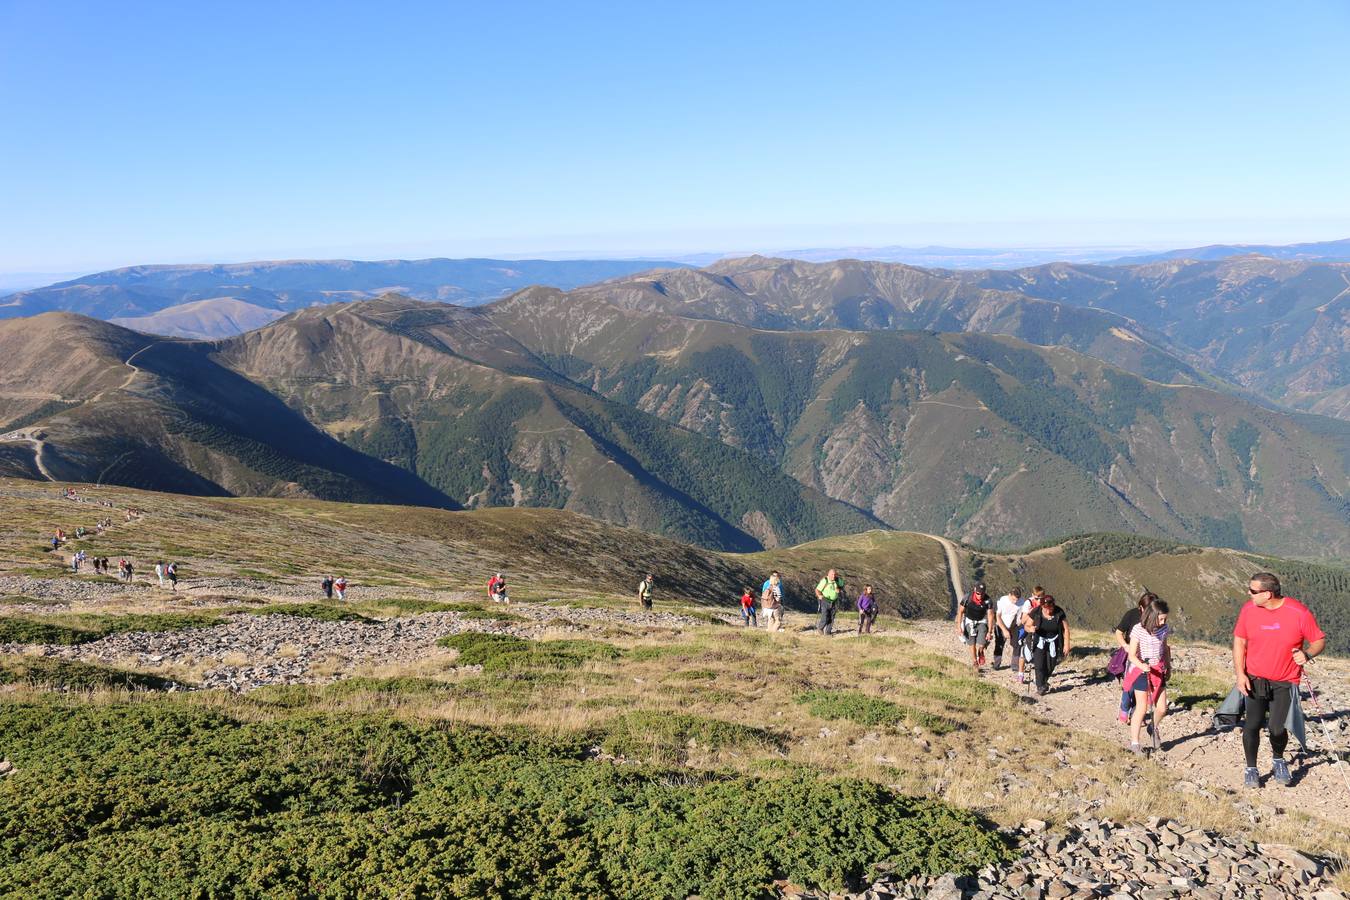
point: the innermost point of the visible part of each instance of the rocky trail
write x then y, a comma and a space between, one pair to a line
1083, 698
251, 651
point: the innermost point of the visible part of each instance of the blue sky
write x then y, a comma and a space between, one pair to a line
147, 132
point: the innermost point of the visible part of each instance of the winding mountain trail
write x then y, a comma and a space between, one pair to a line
953, 568
1209, 762
30, 436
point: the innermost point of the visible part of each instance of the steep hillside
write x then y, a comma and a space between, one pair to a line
447, 393
203, 319
978, 437
1279, 327
139, 291
94, 402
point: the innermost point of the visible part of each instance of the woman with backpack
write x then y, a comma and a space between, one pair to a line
867, 610
1150, 662
771, 601
1120, 659
1047, 640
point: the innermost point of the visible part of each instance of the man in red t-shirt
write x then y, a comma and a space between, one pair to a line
1273, 640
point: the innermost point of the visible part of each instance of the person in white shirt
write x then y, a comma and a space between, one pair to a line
1007, 618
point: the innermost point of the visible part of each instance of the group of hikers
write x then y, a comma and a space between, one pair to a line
1033, 630
334, 587
1274, 638
165, 573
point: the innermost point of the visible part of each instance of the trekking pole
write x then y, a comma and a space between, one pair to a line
1326, 732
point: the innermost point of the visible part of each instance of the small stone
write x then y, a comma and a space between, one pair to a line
1035, 826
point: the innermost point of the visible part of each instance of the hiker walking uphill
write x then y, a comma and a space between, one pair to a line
1146, 678
867, 610
1120, 659
771, 601
327, 587
1274, 638
828, 592
1046, 641
974, 620
644, 592
1008, 627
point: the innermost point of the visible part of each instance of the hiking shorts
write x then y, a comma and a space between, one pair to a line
977, 633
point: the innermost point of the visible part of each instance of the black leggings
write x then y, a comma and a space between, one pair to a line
1273, 697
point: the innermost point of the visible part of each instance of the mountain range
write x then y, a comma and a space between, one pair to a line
663, 402
141, 291
1277, 330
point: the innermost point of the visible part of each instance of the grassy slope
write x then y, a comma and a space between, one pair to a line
432, 776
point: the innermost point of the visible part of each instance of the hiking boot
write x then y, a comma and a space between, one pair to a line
1040, 691
1280, 772
1250, 777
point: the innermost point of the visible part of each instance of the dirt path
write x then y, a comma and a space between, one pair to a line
953, 569
30, 436
1208, 762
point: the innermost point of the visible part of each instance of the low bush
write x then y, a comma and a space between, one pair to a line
318, 611
504, 652
81, 629
666, 737
168, 800
873, 712
70, 675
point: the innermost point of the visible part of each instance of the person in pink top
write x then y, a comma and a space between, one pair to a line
1273, 640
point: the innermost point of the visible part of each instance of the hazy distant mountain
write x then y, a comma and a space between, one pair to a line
204, 319
140, 291
960, 257
1320, 251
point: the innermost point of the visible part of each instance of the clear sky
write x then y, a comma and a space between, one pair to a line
171, 132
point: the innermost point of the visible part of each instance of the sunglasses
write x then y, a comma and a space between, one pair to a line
1262, 591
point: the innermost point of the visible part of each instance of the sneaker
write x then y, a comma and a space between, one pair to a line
980, 658
1250, 777
1136, 750
1280, 772
1040, 692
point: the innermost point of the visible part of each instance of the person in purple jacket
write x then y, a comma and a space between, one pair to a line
867, 610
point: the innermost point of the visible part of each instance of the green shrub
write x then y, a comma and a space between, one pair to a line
665, 736
69, 675
81, 629
168, 800
318, 611
503, 652
873, 712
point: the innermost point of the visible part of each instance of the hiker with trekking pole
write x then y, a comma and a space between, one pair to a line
1146, 678
1274, 638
